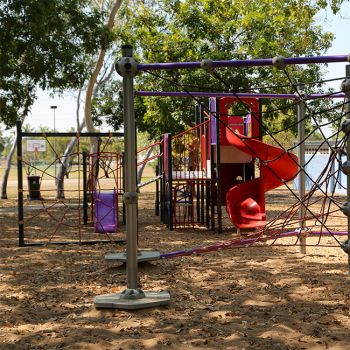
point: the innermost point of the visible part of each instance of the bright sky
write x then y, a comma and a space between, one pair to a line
65, 114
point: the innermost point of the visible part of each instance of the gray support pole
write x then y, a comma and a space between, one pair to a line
132, 297
128, 70
301, 155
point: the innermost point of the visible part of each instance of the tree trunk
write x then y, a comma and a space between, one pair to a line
143, 165
64, 164
90, 91
65, 159
95, 73
7, 170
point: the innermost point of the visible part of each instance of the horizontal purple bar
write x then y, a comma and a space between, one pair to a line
232, 94
243, 63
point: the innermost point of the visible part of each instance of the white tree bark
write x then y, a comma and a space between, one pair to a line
7, 170
92, 87
98, 66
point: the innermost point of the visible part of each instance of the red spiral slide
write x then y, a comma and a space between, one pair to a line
245, 203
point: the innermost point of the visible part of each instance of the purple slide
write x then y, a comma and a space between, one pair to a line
105, 212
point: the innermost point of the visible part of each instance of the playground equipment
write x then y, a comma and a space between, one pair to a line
133, 297
216, 160
68, 214
106, 212
103, 167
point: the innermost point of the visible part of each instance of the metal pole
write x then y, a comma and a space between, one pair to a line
130, 196
205, 94
54, 141
132, 297
346, 87
198, 149
301, 155
20, 185
170, 185
85, 189
218, 167
243, 63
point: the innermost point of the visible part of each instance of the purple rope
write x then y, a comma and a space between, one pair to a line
242, 63
247, 241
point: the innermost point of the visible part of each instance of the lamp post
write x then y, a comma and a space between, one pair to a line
54, 142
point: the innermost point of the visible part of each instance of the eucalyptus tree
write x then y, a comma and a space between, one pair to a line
45, 44
193, 30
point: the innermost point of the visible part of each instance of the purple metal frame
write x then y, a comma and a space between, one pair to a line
243, 63
240, 95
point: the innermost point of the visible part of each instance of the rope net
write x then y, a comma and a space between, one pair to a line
316, 215
66, 195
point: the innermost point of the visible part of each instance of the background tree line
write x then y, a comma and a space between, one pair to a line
58, 45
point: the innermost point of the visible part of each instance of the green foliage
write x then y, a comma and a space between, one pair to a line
193, 30
46, 44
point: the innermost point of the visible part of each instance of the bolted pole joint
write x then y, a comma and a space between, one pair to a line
130, 197
345, 209
345, 87
345, 126
279, 62
127, 65
345, 168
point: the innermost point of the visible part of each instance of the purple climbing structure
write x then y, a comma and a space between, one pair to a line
106, 212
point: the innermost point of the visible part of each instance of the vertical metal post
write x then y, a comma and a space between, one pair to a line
85, 189
170, 185
202, 186
132, 297
346, 89
212, 187
130, 195
123, 174
20, 185
301, 156
218, 168
162, 182
156, 204
54, 140
198, 149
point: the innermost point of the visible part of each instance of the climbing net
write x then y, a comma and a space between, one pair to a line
315, 218
58, 203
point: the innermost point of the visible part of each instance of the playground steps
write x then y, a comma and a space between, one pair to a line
183, 204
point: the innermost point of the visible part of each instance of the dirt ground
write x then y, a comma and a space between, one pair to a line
262, 297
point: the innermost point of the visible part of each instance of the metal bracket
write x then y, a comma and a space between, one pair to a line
345, 209
345, 87
345, 168
279, 62
303, 232
346, 247
126, 67
207, 65
345, 126
130, 197
128, 293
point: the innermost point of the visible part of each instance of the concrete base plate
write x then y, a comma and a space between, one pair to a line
114, 301
141, 257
